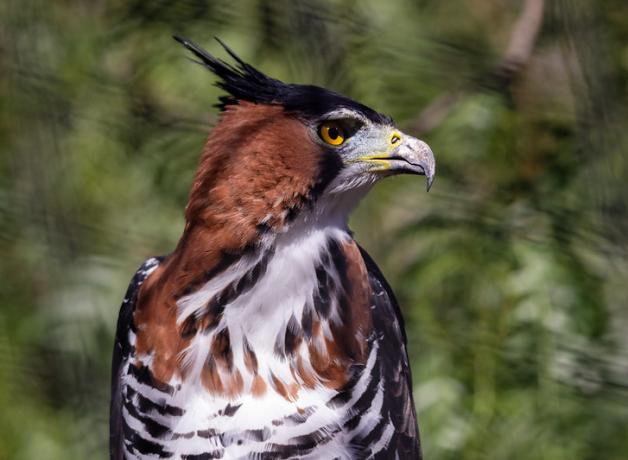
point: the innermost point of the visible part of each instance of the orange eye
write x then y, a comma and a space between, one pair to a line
332, 133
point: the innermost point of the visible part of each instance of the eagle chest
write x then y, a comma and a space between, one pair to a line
290, 364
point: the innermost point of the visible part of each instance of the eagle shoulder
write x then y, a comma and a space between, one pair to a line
122, 349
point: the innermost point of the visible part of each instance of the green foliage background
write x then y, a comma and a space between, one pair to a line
512, 272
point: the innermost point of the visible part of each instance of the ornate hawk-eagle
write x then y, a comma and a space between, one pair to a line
269, 333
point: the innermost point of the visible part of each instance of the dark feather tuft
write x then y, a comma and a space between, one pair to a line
244, 82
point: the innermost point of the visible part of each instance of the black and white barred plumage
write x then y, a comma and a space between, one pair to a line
379, 391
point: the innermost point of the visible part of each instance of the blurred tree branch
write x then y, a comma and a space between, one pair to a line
524, 34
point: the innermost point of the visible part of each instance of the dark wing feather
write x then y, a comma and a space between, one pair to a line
122, 349
398, 403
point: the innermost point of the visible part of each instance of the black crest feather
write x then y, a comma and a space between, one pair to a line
244, 82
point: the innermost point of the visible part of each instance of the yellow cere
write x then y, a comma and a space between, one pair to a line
332, 133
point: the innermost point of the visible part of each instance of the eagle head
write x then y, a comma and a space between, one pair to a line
280, 149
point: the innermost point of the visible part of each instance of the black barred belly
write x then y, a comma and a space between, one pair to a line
355, 424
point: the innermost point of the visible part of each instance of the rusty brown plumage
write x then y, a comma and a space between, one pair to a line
258, 168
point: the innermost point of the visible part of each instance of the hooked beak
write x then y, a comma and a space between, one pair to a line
412, 156
415, 157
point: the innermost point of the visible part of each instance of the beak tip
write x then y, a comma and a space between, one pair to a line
430, 181
426, 160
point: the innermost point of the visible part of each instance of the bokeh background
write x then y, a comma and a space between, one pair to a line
512, 272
